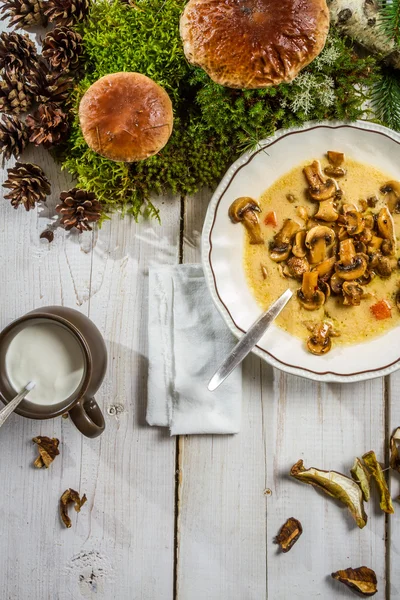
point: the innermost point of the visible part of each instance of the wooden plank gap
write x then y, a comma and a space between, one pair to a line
182, 228
178, 445
264, 440
387, 397
178, 493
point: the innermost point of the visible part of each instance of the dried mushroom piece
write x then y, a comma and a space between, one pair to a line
376, 471
244, 210
288, 534
362, 580
48, 450
361, 475
394, 450
70, 496
336, 485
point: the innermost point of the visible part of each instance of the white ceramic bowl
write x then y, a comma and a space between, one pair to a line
222, 246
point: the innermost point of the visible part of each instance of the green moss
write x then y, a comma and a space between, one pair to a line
213, 125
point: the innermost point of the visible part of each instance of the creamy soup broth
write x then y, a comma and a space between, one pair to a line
353, 323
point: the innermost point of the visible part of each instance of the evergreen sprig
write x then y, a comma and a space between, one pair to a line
386, 98
390, 19
213, 125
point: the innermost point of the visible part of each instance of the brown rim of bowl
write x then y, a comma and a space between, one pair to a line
31, 414
232, 177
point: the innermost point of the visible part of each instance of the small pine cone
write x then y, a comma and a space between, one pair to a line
24, 13
17, 53
67, 12
14, 137
78, 209
47, 86
62, 47
48, 125
28, 185
15, 98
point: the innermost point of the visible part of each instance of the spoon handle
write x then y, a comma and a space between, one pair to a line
12, 405
249, 340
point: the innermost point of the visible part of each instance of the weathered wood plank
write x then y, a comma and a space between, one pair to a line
221, 507
326, 425
121, 544
393, 521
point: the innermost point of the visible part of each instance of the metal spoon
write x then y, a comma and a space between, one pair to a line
12, 405
249, 340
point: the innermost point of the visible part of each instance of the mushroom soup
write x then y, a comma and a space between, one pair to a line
327, 229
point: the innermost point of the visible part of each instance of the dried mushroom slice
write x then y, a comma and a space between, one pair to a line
376, 471
394, 450
70, 496
288, 534
361, 475
48, 450
336, 485
362, 580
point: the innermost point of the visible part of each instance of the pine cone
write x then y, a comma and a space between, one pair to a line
48, 125
14, 137
78, 209
47, 86
17, 53
67, 12
28, 185
24, 13
62, 47
14, 96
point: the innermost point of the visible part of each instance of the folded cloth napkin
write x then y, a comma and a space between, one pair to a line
187, 341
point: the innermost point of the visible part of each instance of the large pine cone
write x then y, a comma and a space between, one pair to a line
28, 185
48, 125
67, 12
14, 96
62, 47
78, 209
24, 13
14, 137
17, 53
48, 86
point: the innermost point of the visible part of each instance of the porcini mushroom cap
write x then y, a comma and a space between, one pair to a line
126, 117
253, 43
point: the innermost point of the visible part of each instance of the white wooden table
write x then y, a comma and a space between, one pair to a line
191, 518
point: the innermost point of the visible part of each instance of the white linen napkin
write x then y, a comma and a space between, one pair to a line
187, 341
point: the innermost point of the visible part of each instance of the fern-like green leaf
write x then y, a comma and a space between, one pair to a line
390, 19
386, 99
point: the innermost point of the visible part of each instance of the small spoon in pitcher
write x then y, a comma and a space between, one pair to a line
12, 405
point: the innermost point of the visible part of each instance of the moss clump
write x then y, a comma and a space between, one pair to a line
213, 125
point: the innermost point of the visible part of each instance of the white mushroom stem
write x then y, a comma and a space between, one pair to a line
359, 19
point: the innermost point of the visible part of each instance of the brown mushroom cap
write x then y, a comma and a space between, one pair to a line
126, 117
253, 43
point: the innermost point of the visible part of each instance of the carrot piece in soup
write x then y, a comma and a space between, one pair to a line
271, 219
382, 310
